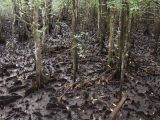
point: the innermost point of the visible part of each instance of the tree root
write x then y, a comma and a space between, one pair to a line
118, 107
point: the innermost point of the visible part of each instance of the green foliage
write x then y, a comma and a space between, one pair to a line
116, 4
136, 6
5, 7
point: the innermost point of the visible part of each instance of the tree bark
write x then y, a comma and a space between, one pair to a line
16, 12
123, 40
74, 38
2, 40
111, 33
49, 24
102, 10
37, 40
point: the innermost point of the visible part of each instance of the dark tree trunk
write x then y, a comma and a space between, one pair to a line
2, 40
102, 23
74, 39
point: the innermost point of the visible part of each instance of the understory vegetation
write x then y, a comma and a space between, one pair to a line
80, 60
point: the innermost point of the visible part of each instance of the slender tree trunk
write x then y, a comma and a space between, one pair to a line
38, 55
128, 42
45, 21
16, 12
24, 19
15, 23
48, 8
123, 39
99, 19
94, 15
133, 28
2, 40
74, 39
122, 33
111, 33
102, 10
27, 16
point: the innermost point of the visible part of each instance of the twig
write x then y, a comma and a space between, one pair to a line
117, 108
102, 74
71, 86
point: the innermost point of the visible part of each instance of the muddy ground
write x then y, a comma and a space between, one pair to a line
92, 96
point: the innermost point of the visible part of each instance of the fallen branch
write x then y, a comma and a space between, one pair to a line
102, 74
70, 87
117, 108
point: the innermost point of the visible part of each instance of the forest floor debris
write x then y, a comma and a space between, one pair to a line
92, 96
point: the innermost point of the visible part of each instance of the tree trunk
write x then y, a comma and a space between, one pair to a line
123, 39
128, 42
74, 39
15, 23
102, 10
122, 33
37, 40
16, 12
26, 17
2, 40
111, 33
49, 16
